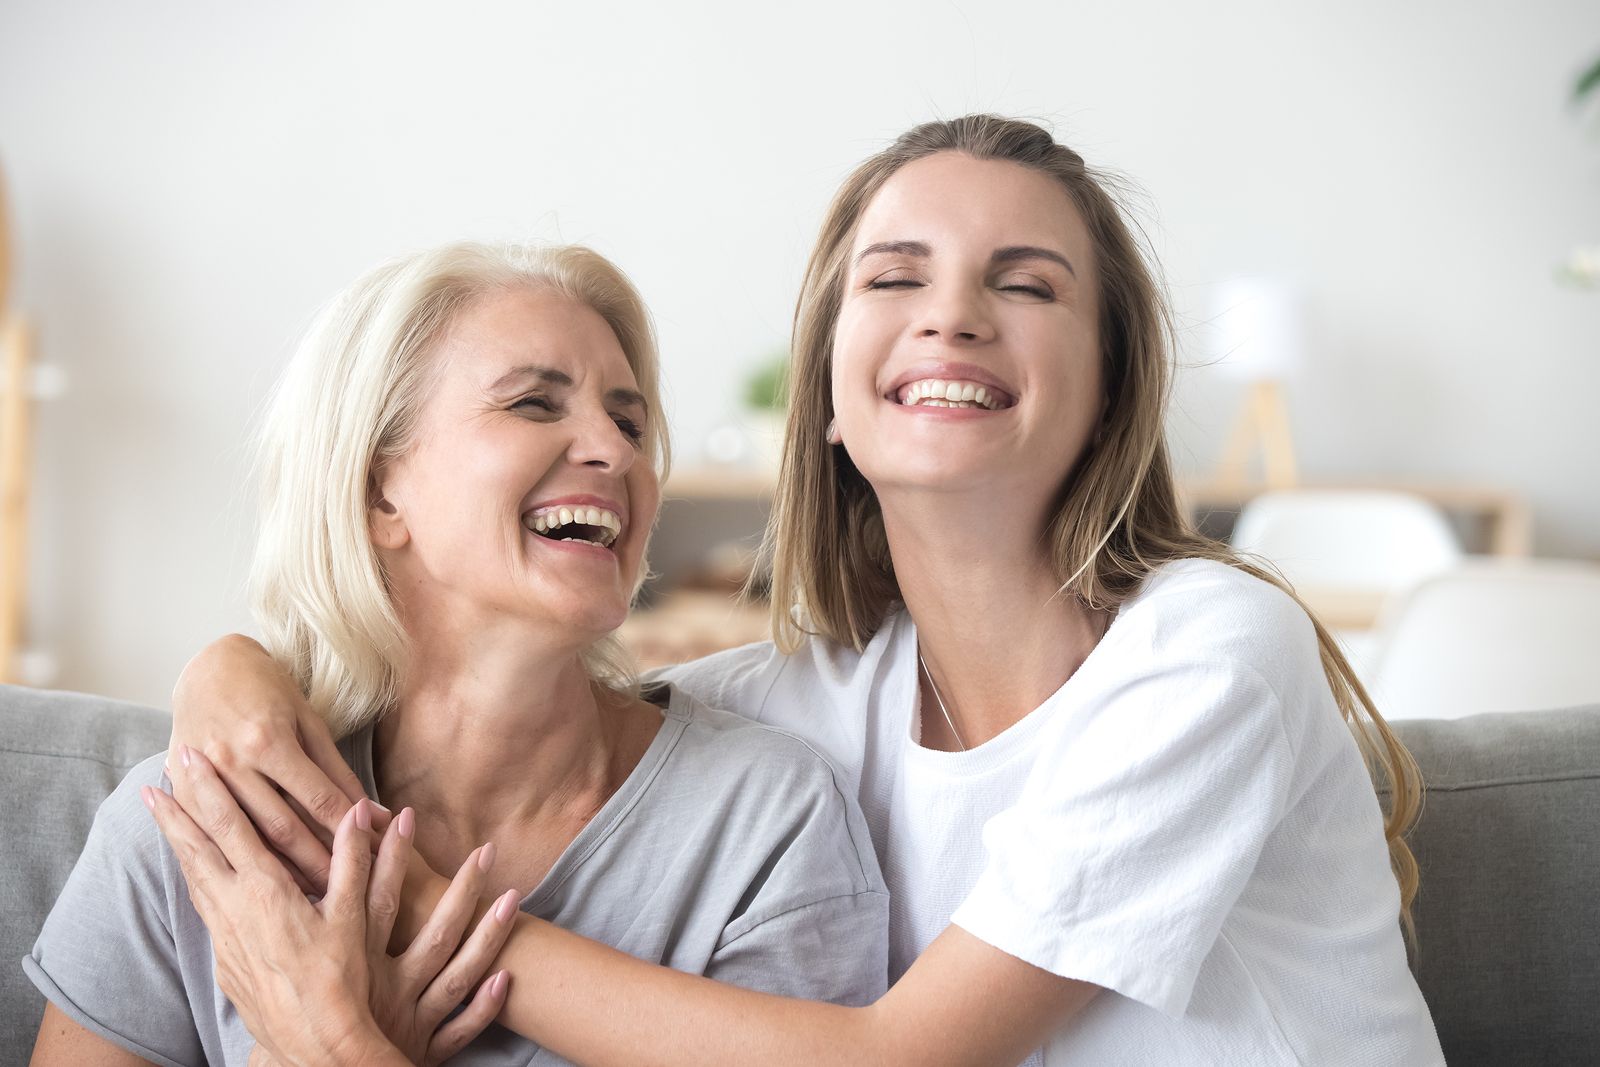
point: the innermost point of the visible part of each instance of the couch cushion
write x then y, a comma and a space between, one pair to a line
1508, 916
61, 754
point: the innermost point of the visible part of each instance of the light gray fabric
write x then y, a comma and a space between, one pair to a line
730, 851
1508, 917
60, 754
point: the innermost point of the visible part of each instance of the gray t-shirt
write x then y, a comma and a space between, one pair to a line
730, 851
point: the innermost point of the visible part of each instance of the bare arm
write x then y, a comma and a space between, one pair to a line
962, 1002
63, 1043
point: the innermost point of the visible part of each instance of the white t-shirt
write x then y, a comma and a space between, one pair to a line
1187, 822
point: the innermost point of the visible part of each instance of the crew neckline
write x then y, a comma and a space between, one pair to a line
676, 714
1002, 747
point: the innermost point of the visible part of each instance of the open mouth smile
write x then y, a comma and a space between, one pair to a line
591, 525
948, 393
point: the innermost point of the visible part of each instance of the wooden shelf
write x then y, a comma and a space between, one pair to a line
720, 483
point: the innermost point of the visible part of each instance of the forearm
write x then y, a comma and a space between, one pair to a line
601, 1007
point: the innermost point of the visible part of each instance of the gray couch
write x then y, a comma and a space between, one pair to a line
1508, 919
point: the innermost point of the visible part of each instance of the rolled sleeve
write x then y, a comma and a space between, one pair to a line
106, 956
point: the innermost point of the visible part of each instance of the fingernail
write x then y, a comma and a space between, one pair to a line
486, 856
498, 989
183, 755
506, 906
380, 807
363, 815
148, 796
405, 823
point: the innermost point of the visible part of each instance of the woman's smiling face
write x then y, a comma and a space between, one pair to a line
526, 493
967, 351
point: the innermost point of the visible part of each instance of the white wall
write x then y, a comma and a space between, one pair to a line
189, 180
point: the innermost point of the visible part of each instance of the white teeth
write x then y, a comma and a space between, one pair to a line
609, 522
932, 392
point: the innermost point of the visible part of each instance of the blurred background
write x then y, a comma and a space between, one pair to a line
1376, 220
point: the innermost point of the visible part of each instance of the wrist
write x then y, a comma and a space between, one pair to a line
364, 1045
420, 894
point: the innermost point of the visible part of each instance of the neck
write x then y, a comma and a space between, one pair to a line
492, 743
997, 636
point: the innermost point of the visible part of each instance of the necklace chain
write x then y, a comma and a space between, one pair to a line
938, 697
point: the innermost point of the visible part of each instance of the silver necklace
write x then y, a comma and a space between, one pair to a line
936, 696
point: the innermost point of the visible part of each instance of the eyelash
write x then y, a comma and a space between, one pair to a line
906, 283
630, 429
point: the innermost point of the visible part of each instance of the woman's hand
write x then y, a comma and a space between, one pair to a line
315, 983
236, 704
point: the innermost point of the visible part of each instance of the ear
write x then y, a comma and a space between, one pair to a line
385, 524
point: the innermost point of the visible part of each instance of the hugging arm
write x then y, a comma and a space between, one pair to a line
962, 1002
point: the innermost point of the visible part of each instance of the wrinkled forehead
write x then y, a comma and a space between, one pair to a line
522, 336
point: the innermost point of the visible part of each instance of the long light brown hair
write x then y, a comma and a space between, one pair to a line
1119, 516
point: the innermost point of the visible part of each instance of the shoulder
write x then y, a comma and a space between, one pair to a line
758, 681
124, 829
732, 740
737, 679
771, 782
1210, 613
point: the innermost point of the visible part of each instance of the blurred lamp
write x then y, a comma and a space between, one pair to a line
1256, 329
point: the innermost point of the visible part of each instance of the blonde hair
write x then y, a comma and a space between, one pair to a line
1119, 518
347, 404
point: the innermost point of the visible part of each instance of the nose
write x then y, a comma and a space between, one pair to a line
600, 444
955, 314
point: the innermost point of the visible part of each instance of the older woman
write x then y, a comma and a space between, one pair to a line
461, 475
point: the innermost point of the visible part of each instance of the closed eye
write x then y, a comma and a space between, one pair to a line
534, 400
894, 283
1033, 290
630, 429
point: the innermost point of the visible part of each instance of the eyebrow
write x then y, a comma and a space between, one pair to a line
1009, 254
1017, 252
552, 376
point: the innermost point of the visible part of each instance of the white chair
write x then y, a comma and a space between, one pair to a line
1361, 545
1491, 636
1364, 540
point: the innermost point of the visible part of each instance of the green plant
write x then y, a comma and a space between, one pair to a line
767, 388
1588, 82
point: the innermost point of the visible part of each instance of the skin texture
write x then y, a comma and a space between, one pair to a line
966, 496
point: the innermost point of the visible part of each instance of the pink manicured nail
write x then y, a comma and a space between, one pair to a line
486, 857
148, 796
497, 987
363, 815
406, 823
183, 755
506, 906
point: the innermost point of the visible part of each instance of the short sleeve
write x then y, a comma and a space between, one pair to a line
834, 950
812, 912
107, 956
1142, 819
